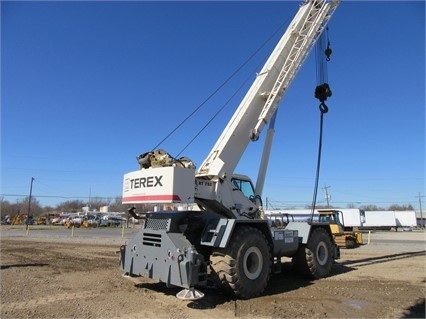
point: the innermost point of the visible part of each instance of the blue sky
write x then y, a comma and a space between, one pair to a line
88, 86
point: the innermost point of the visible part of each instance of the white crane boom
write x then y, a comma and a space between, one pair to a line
272, 82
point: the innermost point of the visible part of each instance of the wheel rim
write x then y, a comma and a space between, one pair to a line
253, 261
322, 253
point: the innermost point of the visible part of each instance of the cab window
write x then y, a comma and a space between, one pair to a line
246, 187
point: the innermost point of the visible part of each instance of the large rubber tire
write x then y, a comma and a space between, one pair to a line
351, 243
242, 269
315, 259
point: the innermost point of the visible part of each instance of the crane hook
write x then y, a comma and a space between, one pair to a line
323, 108
328, 52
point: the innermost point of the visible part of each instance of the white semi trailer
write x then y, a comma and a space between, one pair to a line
379, 220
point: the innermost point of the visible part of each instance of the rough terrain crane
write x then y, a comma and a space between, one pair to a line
228, 240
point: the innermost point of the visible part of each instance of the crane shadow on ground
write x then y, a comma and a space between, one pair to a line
384, 258
416, 311
279, 283
212, 296
285, 281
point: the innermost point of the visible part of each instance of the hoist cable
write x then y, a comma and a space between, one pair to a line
213, 117
322, 92
218, 89
320, 50
199, 106
323, 109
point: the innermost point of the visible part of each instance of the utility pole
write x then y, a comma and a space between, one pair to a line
422, 224
327, 196
29, 200
88, 203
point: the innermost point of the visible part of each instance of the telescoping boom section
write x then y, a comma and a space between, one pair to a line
226, 239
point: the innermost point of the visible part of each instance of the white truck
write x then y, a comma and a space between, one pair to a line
228, 240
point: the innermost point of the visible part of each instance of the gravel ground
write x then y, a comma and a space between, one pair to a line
50, 274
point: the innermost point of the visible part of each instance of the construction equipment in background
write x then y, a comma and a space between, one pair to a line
90, 221
18, 219
41, 220
344, 239
68, 224
75, 221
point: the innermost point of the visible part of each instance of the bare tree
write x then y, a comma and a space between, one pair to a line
35, 208
117, 206
371, 207
97, 202
8, 209
71, 206
401, 207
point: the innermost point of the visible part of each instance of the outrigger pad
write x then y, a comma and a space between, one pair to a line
190, 294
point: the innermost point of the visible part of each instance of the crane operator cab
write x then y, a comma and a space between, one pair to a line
244, 184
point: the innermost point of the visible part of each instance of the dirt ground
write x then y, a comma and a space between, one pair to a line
80, 278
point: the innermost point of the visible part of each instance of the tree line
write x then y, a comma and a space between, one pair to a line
369, 207
115, 205
70, 206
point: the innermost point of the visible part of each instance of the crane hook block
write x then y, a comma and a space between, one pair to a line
322, 92
328, 52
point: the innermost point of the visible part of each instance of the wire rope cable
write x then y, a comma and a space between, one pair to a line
233, 74
322, 92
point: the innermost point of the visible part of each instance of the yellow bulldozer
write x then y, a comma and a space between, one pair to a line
87, 221
344, 239
17, 219
41, 220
